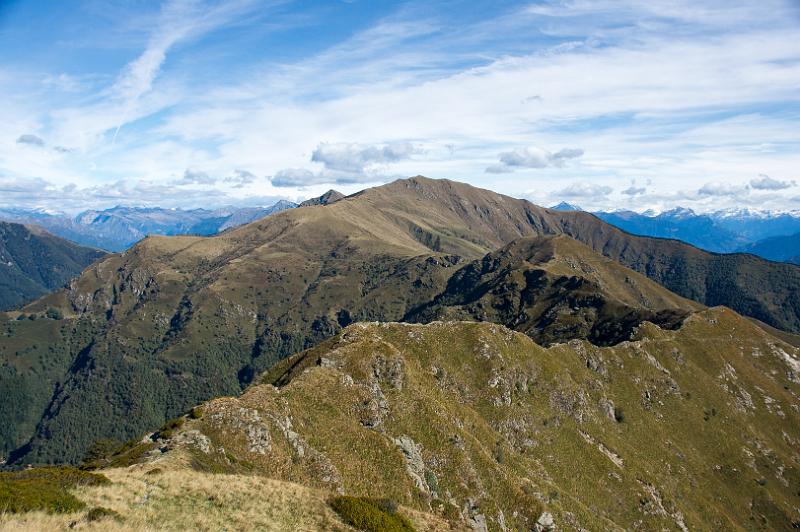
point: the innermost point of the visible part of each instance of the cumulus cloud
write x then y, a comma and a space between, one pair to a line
347, 163
765, 182
195, 177
356, 158
33, 140
722, 189
241, 178
295, 177
583, 189
533, 157
633, 190
302, 177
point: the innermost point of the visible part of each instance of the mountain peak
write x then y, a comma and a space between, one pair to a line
564, 206
331, 196
678, 212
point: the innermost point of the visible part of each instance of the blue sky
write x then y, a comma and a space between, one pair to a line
624, 104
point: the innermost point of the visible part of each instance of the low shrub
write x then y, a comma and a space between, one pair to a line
168, 430
99, 513
432, 481
45, 489
378, 515
54, 313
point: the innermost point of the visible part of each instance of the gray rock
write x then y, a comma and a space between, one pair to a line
545, 523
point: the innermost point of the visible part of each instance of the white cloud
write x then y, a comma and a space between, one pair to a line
532, 157
634, 190
32, 140
37, 193
302, 178
241, 178
765, 182
195, 177
584, 189
685, 92
357, 158
296, 177
723, 189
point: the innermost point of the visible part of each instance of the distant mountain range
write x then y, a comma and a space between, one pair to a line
771, 235
119, 228
34, 262
149, 333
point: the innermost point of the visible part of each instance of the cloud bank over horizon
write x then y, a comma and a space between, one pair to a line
191, 103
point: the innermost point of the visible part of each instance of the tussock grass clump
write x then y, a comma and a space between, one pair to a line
45, 489
378, 515
99, 513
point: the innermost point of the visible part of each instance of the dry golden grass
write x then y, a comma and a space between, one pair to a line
169, 495
182, 499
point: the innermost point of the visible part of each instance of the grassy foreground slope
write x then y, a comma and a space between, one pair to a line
175, 320
174, 497
697, 428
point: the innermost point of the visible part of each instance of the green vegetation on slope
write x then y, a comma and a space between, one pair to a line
33, 263
373, 515
45, 489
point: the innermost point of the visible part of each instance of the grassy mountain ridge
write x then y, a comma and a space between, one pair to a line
555, 289
173, 321
695, 428
458, 218
34, 262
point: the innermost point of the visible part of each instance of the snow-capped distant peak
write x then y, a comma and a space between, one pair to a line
679, 212
564, 206
749, 213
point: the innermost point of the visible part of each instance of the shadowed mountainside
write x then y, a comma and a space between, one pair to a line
34, 262
555, 289
781, 248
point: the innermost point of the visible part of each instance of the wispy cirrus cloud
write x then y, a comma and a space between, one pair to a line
684, 92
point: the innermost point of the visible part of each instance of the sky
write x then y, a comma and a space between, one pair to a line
200, 103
